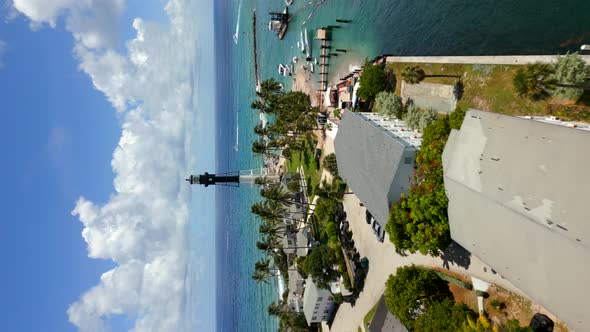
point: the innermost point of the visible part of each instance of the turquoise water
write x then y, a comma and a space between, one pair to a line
434, 27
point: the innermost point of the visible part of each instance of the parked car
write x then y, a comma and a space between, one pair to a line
382, 237
377, 230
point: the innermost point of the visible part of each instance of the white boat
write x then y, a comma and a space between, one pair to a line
302, 43
294, 59
288, 2
310, 66
315, 61
307, 52
284, 70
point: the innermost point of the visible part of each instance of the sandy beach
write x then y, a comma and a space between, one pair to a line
303, 81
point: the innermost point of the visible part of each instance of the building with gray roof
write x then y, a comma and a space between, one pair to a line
376, 158
296, 288
384, 320
517, 193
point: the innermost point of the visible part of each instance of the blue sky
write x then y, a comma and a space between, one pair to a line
85, 118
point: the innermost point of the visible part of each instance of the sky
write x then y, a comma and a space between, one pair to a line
99, 118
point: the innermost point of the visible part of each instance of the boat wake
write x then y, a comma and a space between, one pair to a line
238, 23
237, 146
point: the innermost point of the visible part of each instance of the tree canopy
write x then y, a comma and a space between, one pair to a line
412, 291
419, 221
331, 164
416, 118
413, 74
534, 81
388, 104
373, 80
444, 316
570, 70
320, 266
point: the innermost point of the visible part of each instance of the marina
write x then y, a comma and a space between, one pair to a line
279, 23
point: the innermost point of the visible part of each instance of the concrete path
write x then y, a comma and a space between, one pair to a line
484, 60
383, 261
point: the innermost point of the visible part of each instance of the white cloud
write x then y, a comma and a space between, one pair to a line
94, 23
143, 226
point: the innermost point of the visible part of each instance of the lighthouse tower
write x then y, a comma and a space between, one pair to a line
232, 179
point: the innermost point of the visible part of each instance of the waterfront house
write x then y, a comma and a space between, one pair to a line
318, 303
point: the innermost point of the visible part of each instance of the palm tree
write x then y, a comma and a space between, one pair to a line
328, 191
260, 147
415, 74
260, 277
271, 212
534, 81
268, 245
260, 130
259, 105
271, 86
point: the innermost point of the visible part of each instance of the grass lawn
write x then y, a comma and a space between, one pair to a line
311, 168
489, 88
369, 316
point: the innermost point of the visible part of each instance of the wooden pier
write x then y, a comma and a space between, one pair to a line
322, 35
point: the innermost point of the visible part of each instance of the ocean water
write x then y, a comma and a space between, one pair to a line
418, 27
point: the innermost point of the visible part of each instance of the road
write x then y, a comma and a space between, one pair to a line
383, 261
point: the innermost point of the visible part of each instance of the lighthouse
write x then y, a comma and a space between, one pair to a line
232, 179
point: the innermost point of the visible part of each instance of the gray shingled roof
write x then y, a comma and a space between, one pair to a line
518, 192
385, 321
368, 160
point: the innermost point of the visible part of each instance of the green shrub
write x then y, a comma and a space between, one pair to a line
331, 164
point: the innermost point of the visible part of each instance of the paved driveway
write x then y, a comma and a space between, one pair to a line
384, 261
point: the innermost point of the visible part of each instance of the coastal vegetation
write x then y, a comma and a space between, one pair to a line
418, 119
375, 78
564, 80
330, 164
285, 209
389, 105
490, 88
423, 302
419, 222
415, 75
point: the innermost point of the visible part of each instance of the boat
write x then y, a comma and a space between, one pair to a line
307, 51
288, 2
315, 61
302, 43
310, 66
279, 22
284, 70
294, 59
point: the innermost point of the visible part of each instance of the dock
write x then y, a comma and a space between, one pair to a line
322, 35
256, 74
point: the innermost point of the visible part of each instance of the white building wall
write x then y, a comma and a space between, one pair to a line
323, 305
